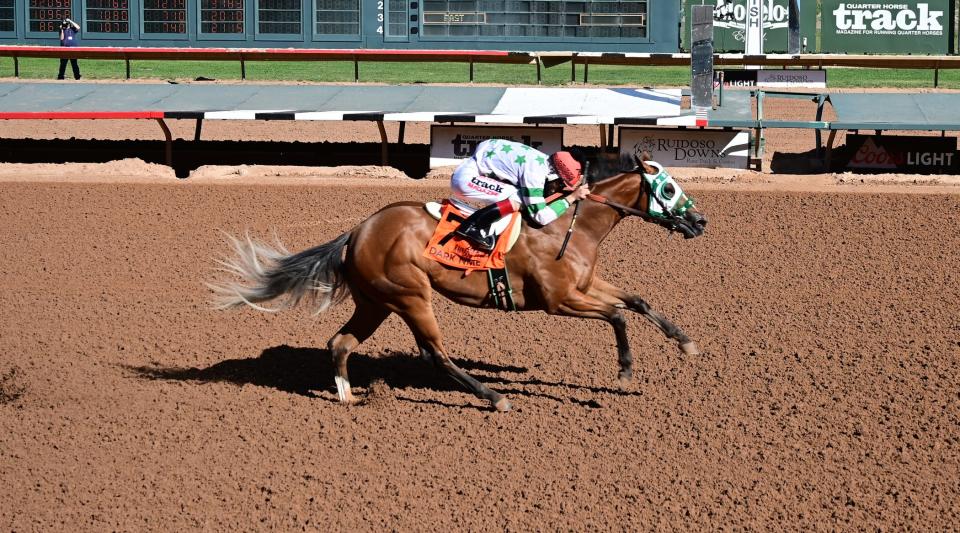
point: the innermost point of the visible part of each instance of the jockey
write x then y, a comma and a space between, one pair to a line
503, 176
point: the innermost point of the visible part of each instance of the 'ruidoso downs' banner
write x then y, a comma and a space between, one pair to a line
689, 148
886, 27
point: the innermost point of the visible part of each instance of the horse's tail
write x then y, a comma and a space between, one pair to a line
269, 272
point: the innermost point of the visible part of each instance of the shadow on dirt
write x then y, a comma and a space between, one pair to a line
809, 162
413, 159
305, 370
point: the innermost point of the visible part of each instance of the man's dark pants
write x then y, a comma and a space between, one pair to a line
63, 68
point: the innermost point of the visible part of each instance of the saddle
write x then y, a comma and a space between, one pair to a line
451, 250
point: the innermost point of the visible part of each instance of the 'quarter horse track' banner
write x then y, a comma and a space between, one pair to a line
908, 27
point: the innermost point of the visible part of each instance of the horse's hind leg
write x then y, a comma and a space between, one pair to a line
427, 332
366, 318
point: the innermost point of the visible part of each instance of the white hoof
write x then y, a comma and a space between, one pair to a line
690, 348
343, 390
502, 405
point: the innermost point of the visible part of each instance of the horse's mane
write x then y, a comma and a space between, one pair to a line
599, 165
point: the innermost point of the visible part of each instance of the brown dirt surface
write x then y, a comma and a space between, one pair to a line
826, 397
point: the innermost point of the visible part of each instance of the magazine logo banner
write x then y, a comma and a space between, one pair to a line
887, 19
886, 27
902, 153
451, 144
689, 148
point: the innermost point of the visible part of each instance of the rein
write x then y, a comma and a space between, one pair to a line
619, 207
669, 217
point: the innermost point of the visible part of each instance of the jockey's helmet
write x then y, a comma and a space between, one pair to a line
567, 168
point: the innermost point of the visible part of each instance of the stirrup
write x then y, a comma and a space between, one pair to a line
472, 234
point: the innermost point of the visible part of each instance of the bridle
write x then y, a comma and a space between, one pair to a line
670, 220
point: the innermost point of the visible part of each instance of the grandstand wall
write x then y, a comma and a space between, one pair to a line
586, 25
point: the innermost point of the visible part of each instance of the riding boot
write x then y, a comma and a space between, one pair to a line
473, 227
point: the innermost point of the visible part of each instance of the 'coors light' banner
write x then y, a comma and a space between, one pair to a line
886, 27
902, 153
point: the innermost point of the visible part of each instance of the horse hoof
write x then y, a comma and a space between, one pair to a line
689, 348
624, 378
502, 405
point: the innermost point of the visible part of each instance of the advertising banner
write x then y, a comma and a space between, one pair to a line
730, 24
810, 79
931, 155
909, 27
451, 144
775, 78
689, 148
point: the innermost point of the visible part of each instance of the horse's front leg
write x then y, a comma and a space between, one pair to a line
618, 297
583, 305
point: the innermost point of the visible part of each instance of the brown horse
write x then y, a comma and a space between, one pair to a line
380, 264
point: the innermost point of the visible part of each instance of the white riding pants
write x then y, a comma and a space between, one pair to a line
477, 190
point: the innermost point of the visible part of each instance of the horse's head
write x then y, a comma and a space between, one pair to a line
635, 185
664, 202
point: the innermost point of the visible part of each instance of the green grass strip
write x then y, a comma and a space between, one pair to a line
404, 72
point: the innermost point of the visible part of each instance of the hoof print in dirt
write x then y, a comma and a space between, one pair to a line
593, 404
379, 394
11, 385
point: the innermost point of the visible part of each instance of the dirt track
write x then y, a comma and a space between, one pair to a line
827, 396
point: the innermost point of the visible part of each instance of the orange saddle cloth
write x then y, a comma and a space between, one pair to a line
457, 252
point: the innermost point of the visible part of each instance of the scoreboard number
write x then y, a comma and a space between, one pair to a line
107, 16
45, 15
221, 16
165, 17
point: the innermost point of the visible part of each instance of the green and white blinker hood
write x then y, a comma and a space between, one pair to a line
665, 192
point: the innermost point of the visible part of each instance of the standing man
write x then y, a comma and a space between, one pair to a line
68, 37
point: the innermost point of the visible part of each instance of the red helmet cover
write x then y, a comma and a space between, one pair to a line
567, 168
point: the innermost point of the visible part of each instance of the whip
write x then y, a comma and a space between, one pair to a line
573, 221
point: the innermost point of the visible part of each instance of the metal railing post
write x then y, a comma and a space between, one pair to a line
168, 143
384, 159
